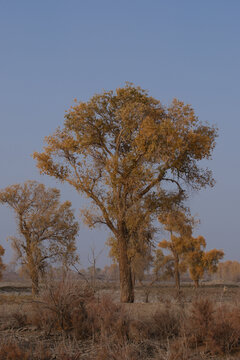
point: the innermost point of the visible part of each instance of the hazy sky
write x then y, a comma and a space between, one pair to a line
53, 51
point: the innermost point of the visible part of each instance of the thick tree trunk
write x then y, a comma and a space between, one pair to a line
35, 279
196, 284
35, 283
126, 282
133, 278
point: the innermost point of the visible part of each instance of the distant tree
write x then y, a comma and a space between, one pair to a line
2, 266
46, 228
132, 157
162, 267
111, 272
94, 271
180, 226
228, 271
199, 262
24, 272
195, 259
211, 260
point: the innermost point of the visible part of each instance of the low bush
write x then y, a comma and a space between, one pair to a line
62, 306
125, 351
12, 351
199, 321
69, 309
179, 350
224, 332
165, 323
108, 320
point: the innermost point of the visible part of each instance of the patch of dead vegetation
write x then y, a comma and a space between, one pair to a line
68, 321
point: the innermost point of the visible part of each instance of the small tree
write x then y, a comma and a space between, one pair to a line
2, 266
198, 261
195, 259
46, 228
179, 225
92, 259
111, 272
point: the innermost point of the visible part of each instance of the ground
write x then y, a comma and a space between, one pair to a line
17, 307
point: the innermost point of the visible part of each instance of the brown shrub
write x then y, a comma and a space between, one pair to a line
139, 330
42, 317
218, 329
71, 307
108, 319
125, 351
224, 333
179, 350
165, 323
199, 321
11, 351
12, 317
62, 306
20, 319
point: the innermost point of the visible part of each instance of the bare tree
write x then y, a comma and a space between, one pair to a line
92, 259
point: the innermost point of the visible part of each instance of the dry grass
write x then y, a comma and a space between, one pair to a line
15, 298
68, 323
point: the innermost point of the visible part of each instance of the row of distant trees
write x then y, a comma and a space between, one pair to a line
47, 231
136, 161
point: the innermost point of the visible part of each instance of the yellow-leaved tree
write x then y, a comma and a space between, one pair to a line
46, 228
132, 157
200, 261
179, 224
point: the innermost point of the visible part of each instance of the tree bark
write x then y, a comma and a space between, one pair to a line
126, 283
34, 275
176, 272
196, 284
35, 281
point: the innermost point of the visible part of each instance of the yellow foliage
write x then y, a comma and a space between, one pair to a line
46, 228
132, 157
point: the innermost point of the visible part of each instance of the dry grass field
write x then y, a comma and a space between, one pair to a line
70, 322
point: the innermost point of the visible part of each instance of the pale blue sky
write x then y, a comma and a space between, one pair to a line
53, 51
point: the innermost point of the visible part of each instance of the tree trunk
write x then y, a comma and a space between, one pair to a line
176, 273
133, 277
147, 292
196, 283
94, 274
126, 283
34, 278
35, 284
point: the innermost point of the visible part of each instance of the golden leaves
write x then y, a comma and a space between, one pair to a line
132, 157
46, 228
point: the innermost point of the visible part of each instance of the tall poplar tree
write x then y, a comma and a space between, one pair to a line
129, 155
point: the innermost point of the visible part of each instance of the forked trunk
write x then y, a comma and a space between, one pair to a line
126, 282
